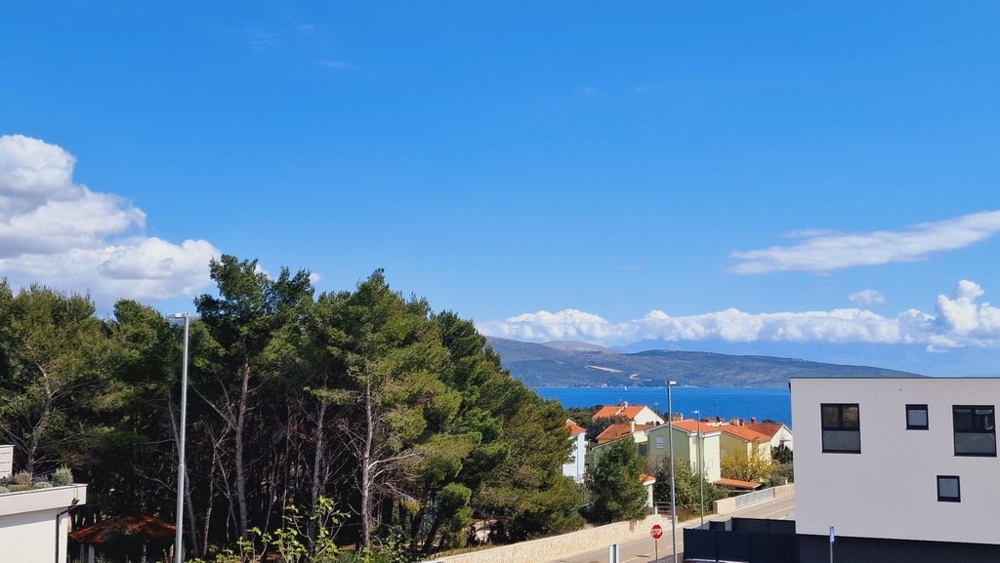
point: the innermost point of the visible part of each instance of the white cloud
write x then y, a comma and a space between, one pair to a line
335, 65
822, 252
959, 322
867, 298
65, 236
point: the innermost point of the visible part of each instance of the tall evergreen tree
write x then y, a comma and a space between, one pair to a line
615, 485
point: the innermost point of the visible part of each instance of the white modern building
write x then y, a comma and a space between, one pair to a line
901, 469
34, 523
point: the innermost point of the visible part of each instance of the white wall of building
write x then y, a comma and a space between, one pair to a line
710, 456
576, 467
28, 523
889, 490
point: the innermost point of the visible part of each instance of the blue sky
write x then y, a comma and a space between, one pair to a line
816, 180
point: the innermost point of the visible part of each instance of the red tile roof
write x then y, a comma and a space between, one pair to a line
619, 430
146, 528
768, 429
624, 411
691, 426
737, 484
574, 428
743, 433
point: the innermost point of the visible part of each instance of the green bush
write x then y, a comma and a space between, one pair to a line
41, 485
21, 478
4, 490
62, 477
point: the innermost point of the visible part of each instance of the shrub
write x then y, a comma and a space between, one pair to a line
4, 490
62, 477
42, 485
21, 478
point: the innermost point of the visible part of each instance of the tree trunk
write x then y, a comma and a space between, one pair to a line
238, 438
367, 468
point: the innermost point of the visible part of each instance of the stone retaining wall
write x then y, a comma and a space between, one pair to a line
565, 545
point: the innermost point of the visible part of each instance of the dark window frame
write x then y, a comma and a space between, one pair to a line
917, 408
958, 488
976, 424
843, 424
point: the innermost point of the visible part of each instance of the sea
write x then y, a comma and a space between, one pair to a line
770, 403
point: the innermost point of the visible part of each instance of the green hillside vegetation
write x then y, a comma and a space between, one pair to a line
561, 364
362, 402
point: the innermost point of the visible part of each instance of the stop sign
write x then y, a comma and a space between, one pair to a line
656, 532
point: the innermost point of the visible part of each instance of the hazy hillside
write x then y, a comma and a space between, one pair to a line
568, 364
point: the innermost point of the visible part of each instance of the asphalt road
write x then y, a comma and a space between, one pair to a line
646, 550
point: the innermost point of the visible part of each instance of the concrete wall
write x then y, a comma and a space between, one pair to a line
889, 490
28, 531
565, 545
6, 460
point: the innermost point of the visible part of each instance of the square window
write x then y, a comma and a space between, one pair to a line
975, 430
841, 424
916, 417
948, 489
659, 442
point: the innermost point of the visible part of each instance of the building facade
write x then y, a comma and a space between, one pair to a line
901, 469
576, 466
687, 441
34, 522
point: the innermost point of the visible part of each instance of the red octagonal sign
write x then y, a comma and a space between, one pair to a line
656, 532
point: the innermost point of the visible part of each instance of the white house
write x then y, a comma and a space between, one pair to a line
639, 414
33, 523
900, 469
780, 435
576, 466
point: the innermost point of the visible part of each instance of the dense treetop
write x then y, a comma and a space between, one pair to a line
399, 414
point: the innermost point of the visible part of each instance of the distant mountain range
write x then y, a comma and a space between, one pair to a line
575, 364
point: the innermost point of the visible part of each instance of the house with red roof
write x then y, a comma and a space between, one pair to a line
738, 439
639, 414
623, 430
781, 435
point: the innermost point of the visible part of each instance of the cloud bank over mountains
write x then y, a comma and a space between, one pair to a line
959, 321
61, 234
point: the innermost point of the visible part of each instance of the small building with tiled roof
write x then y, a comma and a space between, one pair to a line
639, 414
781, 435
575, 467
622, 430
737, 439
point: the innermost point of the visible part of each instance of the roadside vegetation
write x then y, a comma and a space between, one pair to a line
388, 419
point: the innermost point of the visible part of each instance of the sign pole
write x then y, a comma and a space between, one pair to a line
831, 544
657, 532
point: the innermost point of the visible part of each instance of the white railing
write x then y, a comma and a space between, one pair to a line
748, 499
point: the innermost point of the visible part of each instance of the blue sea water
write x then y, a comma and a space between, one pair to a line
725, 402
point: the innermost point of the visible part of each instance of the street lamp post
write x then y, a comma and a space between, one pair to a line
179, 537
701, 468
673, 492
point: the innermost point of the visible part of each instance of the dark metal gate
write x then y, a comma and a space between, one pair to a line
752, 540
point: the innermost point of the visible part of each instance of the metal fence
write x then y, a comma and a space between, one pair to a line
743, 539
748, 499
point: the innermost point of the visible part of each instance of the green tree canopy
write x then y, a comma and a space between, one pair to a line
615, 486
